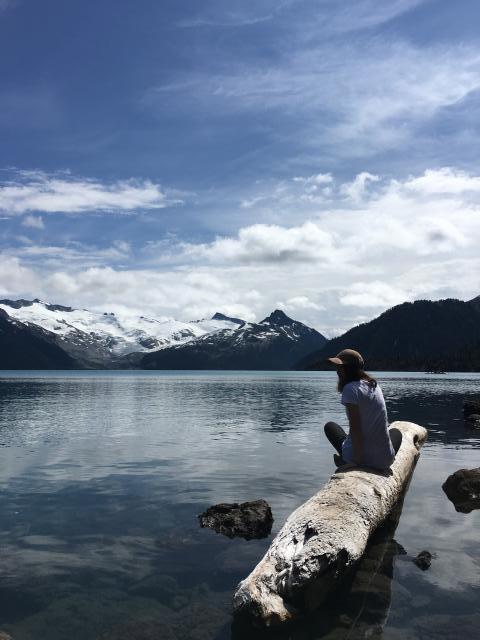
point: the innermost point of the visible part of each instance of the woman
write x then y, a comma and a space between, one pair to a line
369, 442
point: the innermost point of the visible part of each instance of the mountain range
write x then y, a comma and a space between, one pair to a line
417, 336
78, 338
277, 342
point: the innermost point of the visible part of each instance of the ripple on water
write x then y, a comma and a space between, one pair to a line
103, 476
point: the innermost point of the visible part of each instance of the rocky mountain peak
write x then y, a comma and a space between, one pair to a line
278, 317
222, 316
17, 304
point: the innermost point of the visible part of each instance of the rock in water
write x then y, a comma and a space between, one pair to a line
472, 421
463, 489
423, 560
246, 520
471, 406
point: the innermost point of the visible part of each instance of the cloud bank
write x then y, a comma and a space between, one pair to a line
358, 248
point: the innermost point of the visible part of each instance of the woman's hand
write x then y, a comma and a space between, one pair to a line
353, 414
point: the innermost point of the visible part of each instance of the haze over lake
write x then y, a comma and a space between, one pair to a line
103, 475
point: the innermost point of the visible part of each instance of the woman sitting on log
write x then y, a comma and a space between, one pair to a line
369, 442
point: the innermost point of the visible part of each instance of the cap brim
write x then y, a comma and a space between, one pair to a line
335, 360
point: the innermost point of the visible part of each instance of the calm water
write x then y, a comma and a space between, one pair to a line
103, 475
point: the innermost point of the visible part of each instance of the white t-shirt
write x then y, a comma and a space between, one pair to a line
377, 447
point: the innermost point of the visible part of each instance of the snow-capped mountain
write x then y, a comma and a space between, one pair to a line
105, 339
64, 337
277, 342
29, 347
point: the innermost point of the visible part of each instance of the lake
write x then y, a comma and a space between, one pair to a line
103, 476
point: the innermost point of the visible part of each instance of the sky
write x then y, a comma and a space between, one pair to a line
183, 157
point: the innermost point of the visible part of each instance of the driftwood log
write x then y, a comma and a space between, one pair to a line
326, 536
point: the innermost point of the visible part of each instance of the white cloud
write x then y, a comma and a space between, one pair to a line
373, 294
16, 279
235, 13
380, 223
364, 14
250, 202
179, 294
300, 302
36, 222
298, 17
316, 179
42, 192
350, 99
345, 263
72, 254
445, 180
357, 189
268, 244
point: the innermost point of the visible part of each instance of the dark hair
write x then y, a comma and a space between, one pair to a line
352, 372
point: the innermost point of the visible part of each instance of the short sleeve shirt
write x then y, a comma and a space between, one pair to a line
377, 447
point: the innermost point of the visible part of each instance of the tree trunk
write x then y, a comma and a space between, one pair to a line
326, 536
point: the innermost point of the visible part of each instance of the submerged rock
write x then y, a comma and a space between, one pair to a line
5, 636
463, 489
423, 560
246, 520
141, 630
472, 421
446, 627
471, 406
200, 620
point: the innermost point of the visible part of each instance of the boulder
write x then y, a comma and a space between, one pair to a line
463, 489
423, 560
472, 421
471, 406
246, 520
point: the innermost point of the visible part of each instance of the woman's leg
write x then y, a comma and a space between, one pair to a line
336, 435
395, 438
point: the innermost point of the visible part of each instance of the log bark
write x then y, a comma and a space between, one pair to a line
326, 536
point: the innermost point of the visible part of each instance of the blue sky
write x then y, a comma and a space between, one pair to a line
176, 158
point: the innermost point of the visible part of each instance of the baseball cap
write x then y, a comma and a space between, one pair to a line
348, 356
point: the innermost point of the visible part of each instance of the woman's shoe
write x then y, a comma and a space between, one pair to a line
338, 460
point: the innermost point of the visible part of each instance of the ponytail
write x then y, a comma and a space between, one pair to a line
368, 378
353, 373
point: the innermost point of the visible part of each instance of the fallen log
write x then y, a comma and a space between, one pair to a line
326, 536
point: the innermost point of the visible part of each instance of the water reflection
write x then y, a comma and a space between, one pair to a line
103, 477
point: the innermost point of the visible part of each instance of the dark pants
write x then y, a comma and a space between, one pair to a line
336, 435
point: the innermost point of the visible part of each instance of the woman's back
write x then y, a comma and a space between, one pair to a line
377, 447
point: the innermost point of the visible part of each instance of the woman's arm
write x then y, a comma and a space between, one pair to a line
353, 414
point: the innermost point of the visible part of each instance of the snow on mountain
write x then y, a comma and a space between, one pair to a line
277, 342
111, 333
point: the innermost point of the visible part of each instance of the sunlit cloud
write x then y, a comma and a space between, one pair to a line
348, 259
446, 180
267, 244
373, 294
36, 191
